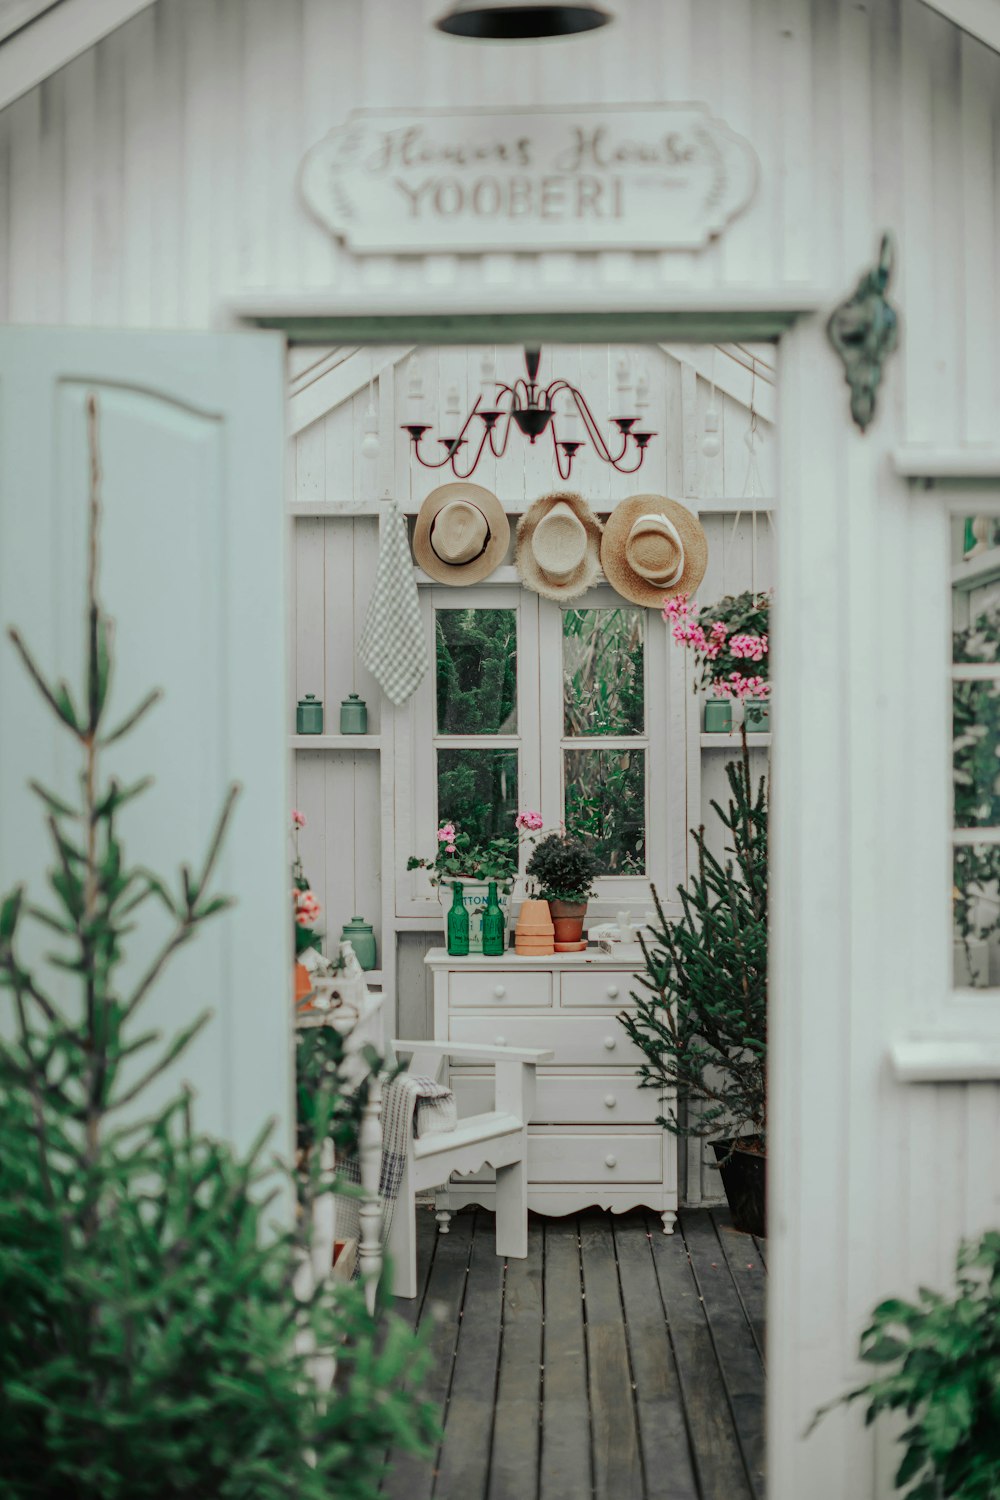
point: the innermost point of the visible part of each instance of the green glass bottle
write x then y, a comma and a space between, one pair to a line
494, 925
458, 923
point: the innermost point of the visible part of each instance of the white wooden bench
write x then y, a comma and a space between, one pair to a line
497, 1138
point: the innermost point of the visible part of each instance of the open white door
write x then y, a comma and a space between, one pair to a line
192, 571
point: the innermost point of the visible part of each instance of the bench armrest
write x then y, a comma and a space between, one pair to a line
470, 1050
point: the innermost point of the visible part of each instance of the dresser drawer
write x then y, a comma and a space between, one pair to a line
610, 1158
569, 1099
597, 987
499, 988
588, 1041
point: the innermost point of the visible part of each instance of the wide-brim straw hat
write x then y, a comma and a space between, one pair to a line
559, 546
461, 534
652, 549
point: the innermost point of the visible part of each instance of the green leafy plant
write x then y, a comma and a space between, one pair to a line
154, 1346
461, 857
701, 1018
730, 641
940, 1359
562, 868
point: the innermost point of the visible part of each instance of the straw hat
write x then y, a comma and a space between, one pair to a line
653, 548
559, 546
461, 535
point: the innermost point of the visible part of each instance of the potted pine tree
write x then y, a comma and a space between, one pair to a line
701, 1017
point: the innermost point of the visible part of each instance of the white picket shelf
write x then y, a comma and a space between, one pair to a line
733, 741
335, 742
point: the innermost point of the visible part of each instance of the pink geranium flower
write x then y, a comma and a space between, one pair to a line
446, 833
529, 822
298, 819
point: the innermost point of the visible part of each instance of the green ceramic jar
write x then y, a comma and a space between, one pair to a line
353, 715
757, 714
361, 936
718, 716
309, 715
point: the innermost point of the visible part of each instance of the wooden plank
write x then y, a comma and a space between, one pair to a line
565, 1472
663, 1434
411, 1476
410, 1309
463, 1467
718, 1464
617, 1461
514, 1469
739, 1359
749, 1273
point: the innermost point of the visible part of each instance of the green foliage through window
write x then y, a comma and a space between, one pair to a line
605, 801
603, 671
476, 671
477, 790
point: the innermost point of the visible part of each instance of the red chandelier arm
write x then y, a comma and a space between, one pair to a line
479, 454
594, 432
559, 456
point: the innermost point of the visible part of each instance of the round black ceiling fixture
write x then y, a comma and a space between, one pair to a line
519, 20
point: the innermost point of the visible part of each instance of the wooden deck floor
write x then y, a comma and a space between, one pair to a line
616, 1362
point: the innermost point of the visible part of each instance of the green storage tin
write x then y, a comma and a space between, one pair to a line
353, 715
361, 936
718, 716
309, 715
757, 715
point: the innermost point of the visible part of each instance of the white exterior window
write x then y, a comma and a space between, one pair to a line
575, 710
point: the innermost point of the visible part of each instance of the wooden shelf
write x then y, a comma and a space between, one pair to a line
733, 741
335, 742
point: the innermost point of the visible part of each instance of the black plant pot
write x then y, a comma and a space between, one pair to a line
744, 1177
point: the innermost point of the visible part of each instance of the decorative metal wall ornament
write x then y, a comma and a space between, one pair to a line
531, 408
864, 330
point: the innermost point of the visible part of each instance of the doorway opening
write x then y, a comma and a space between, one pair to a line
591, 711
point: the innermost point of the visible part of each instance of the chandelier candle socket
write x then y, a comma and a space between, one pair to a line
531, 407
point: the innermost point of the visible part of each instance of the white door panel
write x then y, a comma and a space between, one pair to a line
192, 571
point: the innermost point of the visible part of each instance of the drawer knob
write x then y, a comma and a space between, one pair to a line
610, 1101
499, 991
612, 992
611, 1161
499, 1041
611, 1043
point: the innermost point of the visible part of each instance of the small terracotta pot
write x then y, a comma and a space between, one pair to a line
303, 984
567, 920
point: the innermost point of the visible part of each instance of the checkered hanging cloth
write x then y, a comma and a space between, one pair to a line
392, 644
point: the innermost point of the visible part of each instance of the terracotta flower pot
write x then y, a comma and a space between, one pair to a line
534, 933
303, 984
567, 919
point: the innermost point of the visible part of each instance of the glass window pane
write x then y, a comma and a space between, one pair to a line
603, 678
477, 791
976, 911
476, 671
976, 754
605, 802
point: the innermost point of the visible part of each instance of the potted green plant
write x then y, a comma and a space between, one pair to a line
473, 864
701, 1018
939, 1366
562, 869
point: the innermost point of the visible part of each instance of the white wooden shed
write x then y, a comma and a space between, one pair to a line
149, 164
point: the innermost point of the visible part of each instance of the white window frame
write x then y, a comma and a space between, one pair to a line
539, 725
953, 1032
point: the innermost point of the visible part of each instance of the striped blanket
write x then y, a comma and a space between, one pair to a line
410, 1106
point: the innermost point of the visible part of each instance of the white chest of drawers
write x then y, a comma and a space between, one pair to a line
593, 1137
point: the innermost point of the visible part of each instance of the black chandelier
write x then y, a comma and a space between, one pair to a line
530, 407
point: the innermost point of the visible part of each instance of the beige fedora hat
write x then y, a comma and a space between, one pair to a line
559, 546
461, 534
653, 548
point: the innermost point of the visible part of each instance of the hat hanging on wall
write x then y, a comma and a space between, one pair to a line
461, 534
559, 546
652, 549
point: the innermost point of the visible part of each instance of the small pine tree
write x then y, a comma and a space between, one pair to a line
702, 1021
153, 1343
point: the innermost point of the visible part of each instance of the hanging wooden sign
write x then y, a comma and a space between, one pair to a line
661, 177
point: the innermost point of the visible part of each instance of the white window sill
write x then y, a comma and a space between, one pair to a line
945, 1060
